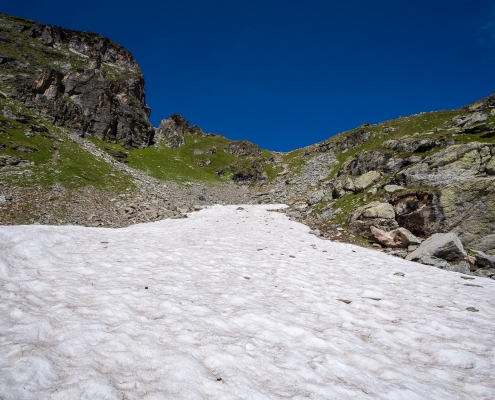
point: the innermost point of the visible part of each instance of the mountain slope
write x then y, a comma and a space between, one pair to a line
74, 118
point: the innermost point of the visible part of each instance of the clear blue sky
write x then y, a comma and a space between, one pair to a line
288, 73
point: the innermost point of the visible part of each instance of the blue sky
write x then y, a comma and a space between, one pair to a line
288, 73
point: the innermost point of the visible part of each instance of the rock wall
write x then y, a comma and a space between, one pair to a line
102, 96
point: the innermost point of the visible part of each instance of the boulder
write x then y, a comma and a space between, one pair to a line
446, 246
366, 180
397, 238
392, 188
484, 260
434, 262
463, 267
407, 238
469, 119
385, 238
378, 210
379, 215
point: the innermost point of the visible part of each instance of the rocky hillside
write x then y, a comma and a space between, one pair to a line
429, 173
76, 146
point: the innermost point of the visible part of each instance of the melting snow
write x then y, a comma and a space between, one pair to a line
238, 306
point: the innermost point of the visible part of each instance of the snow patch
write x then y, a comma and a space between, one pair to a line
192, 309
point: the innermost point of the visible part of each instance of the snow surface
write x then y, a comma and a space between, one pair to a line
241, 304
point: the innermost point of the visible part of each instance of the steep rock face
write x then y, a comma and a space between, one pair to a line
100, 92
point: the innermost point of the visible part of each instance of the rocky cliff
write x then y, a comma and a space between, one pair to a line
80, 80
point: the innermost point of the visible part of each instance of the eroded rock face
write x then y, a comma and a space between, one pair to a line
420, 212
108, 103
465, 198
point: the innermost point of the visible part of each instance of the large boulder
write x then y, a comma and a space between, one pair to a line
446, 246
366, 180
377, 214
378, 210
484, 260
400, 237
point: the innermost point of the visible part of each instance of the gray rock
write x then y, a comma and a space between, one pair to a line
400, 237
398, 253
446, 246
366, 180
463, 267
392, 188
485, 260
379, 210
469, 119
315, 232
434, 261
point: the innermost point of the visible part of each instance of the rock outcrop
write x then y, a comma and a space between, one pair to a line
172, 131
95, 87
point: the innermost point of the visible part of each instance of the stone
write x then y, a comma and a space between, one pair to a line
490, 167
377, 214
397, 238
363, 227
385, 238
392, 188
446, 246
390, 144
366, 180
315, 232
469, 119
398, 253
433, 261
380, 210
484, 260
407, 238
463, 267
8, 160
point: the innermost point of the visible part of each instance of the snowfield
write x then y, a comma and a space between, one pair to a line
233, 304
